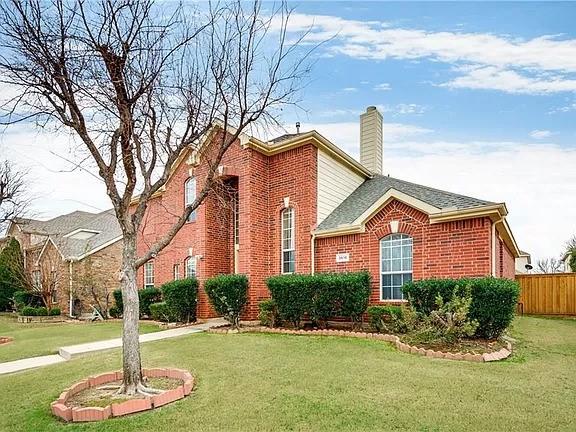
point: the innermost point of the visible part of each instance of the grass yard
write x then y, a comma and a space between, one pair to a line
32, 340
265, 382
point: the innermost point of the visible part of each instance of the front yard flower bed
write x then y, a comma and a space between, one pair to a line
84, 401
401, 346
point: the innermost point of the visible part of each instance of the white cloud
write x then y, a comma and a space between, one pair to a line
382, 87
494, 78
502, 62
540, 134
350, 89
52, 183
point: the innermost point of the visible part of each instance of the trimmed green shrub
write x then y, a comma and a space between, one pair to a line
29, 311
268, 313
293, 296
148, 296
493, 300
162, 312
118, 300
321, 296
181, 297
450, 320
380, 317
41, 311
114, 312
55, 311
228, 295
354, 294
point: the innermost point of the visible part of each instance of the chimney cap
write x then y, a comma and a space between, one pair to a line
370, 108
297, 127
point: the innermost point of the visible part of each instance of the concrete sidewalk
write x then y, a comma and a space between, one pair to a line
67, 353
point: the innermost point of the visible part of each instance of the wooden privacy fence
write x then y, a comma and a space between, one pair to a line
547, 294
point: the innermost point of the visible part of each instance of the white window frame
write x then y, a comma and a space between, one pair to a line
287, 227
37, 279
176, 271
149, 274
385, 242
190, 196
187, 262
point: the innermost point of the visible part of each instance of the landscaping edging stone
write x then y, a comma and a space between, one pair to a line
130, 406
401, 346
40, 319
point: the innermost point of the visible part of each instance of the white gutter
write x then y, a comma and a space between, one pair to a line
312, 253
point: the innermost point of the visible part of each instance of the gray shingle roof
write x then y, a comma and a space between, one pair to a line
104, 223
372, 189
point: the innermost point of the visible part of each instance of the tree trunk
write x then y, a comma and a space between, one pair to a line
130, 343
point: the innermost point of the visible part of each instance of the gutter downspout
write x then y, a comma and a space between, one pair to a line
312, 253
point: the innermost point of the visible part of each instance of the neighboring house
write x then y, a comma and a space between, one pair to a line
300, 204
78, 254
523, 263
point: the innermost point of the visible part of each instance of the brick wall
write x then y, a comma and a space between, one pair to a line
451, 249
505, 264
263, 183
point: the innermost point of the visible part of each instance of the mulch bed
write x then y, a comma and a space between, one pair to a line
104, 395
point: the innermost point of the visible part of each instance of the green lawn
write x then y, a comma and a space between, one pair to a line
32, 340
260, 382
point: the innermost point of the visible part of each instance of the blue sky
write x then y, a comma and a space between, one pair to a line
477, 98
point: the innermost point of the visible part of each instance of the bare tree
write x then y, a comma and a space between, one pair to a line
138, 84
549, 265
13, 201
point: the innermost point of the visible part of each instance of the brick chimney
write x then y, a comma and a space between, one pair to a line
371, 140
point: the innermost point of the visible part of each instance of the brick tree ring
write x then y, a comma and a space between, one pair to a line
62, 409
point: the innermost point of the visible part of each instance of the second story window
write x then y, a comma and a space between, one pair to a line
190, 196
288, 241
37, 279
149, 274
190, 267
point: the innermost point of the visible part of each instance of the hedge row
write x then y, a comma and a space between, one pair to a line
493, 300
179, 296
39, 311
320, 296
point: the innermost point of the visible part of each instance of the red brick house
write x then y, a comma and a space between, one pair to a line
301, 204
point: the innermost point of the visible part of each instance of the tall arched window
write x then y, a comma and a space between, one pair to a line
288, 241
190, 264
190, 196
395, 265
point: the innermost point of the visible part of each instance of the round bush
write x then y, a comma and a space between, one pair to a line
493, 305
29, 311
228, 295
162, 312
55, 311
181, 297
41, 311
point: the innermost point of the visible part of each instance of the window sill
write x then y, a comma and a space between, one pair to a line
393, 301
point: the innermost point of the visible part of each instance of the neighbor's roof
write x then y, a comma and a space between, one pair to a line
58, 229
373, 189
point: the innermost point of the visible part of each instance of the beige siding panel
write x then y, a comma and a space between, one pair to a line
335, 183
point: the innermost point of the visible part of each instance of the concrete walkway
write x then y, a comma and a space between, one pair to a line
67, 353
